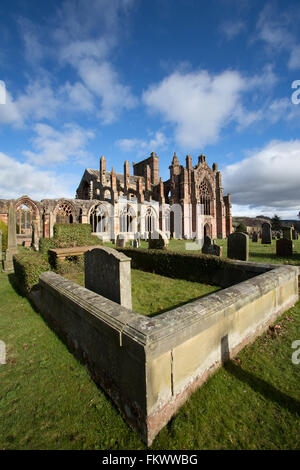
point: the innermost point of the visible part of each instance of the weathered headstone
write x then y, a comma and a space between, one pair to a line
108, 273
209, 248
254, 237
287, 233
12, 248
158, 240
294, 234
136, 243
266, 233
206, 244
121, 241
238, 246
284, 247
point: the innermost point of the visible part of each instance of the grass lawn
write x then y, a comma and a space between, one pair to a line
48, 401
257, 251
153, 294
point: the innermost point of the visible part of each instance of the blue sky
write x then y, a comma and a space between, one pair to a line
123, 78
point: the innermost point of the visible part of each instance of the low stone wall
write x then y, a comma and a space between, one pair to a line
150, 366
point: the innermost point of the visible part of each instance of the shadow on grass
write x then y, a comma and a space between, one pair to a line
258, 254
263, 388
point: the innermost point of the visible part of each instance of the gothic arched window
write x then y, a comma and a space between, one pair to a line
205, 197
126, 219
64, 214
99, 218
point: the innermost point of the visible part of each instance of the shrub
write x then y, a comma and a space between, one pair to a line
46, 244
28, 267
3, 228
241, 228
68, 235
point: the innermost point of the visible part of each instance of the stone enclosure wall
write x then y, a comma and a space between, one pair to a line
150, 366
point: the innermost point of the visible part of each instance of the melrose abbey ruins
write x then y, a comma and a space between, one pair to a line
115, 203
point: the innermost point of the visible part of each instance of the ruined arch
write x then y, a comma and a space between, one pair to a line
99, 217
64, 213
27, 214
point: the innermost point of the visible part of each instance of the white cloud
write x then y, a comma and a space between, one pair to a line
52, 146
103, 81
198, 104
36, 103
267, 180
158, 141
18, 178
277, 30
232, 28
294, 60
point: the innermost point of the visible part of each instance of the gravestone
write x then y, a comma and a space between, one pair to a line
287, 233
266, 233
278, 235
121, 241
206, 244
108, 273
210, 248
136, 243
12, 248
158, 240
284, 247
254, 237
294, 234
238, 246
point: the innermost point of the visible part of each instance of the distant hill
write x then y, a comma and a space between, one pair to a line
258, 220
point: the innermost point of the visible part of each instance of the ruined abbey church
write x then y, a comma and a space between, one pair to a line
124, 203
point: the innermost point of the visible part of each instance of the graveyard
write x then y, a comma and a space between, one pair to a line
259, 386
165, 286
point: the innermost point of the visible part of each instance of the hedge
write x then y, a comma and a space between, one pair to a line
28, 267
68, 235
191, 267
3, 228
74, 235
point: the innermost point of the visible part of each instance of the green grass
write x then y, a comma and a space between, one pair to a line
257, 251
153, 294
48, 401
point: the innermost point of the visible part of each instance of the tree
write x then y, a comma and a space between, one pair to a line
241, 228
276, 223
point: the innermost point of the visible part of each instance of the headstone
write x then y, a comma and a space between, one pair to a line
158, 240
294, 234
284, 247
214, 250
12, 248
287, 233
238, 246
266, 233
278, 235
121, 241
108, 273
206, 244
136, 243
255, 237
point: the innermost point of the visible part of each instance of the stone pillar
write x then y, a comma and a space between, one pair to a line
108, 273
12, 248
35, 238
